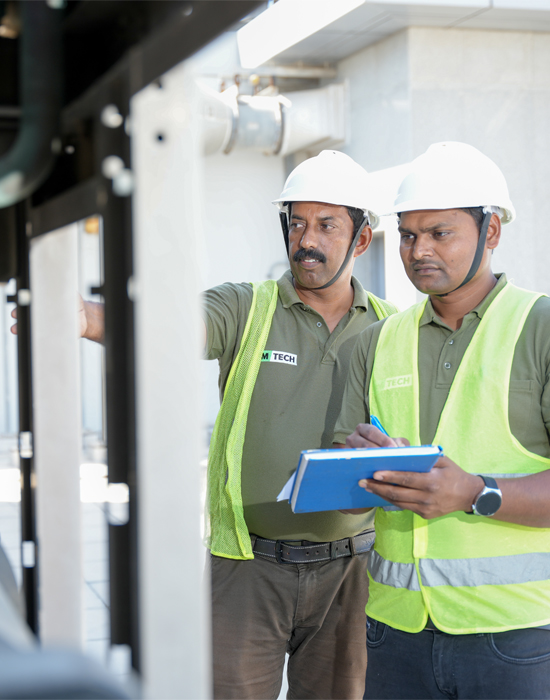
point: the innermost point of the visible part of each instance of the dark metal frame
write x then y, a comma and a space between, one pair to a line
28, 509
87, 193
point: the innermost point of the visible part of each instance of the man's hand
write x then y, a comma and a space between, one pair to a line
91, 319
448, 488
91, 323
445, 489
82, 321
366, 435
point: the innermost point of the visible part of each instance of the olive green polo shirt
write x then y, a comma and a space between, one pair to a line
440, 351
295, 403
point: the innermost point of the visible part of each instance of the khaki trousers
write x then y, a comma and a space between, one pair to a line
315, 612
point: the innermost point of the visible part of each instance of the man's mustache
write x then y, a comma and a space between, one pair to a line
423, 263
309, 254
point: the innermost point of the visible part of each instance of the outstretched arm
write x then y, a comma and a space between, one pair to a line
91, 320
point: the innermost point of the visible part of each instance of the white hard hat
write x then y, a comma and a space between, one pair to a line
331, 177
453, 175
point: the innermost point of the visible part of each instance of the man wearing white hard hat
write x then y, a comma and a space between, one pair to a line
459, 578
283, 582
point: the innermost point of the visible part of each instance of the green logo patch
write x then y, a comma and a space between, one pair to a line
286, 358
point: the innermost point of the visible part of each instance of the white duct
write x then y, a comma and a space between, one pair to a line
274, 125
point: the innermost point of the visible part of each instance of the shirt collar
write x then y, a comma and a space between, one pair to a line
289, 296
429, 315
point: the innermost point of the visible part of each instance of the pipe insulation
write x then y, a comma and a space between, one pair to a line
274, 124
27, 164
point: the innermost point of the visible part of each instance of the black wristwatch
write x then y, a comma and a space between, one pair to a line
489, 500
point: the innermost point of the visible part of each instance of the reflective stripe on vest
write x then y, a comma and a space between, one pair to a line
227, 532
484, 571
470, 574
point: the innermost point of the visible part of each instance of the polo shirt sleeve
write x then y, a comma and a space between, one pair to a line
545, 398
225, 311
532, 363
355, 407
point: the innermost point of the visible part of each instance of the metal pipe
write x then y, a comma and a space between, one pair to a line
273, 124
29, 161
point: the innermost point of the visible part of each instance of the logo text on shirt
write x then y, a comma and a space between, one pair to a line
398, 382
286, 358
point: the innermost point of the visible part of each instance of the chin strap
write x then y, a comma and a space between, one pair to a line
284, 225
283, 217
348, 255
478, 254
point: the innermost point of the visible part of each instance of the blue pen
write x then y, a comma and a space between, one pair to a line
377, 424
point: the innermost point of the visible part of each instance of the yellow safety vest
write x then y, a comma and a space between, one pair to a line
468, 573
226, 529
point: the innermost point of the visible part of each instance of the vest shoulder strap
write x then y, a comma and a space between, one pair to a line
381, 307
227, 531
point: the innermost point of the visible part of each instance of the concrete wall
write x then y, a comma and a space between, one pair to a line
244, 242
488, 88
243, 234
379, 102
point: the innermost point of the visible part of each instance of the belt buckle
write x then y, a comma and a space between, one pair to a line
279, 552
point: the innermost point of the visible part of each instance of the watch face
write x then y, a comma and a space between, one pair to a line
488, 503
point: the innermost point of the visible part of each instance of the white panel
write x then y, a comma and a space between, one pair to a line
57, 434
284, 24
474, 4
91, 354
168, 242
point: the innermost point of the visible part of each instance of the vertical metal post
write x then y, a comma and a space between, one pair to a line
115, 207
57, 433
29, 553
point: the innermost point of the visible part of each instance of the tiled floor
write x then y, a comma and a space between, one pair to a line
96, 578
95, 560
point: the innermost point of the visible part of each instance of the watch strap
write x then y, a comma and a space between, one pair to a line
489, 481
484, 504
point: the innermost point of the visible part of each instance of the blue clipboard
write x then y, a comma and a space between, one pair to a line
328, 479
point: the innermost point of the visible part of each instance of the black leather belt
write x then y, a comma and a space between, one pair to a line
306, 552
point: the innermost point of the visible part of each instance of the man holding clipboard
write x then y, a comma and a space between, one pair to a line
460, 577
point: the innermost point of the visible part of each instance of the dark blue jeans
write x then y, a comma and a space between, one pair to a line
432, 664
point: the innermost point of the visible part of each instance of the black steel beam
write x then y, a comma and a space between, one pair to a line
75, 204
100, 37
28, 509
172, 42
119, 350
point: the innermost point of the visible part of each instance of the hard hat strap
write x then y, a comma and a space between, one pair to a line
348, 255
283, 216
478, 254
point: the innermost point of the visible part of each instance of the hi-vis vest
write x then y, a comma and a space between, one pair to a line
227, 533
469, 574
